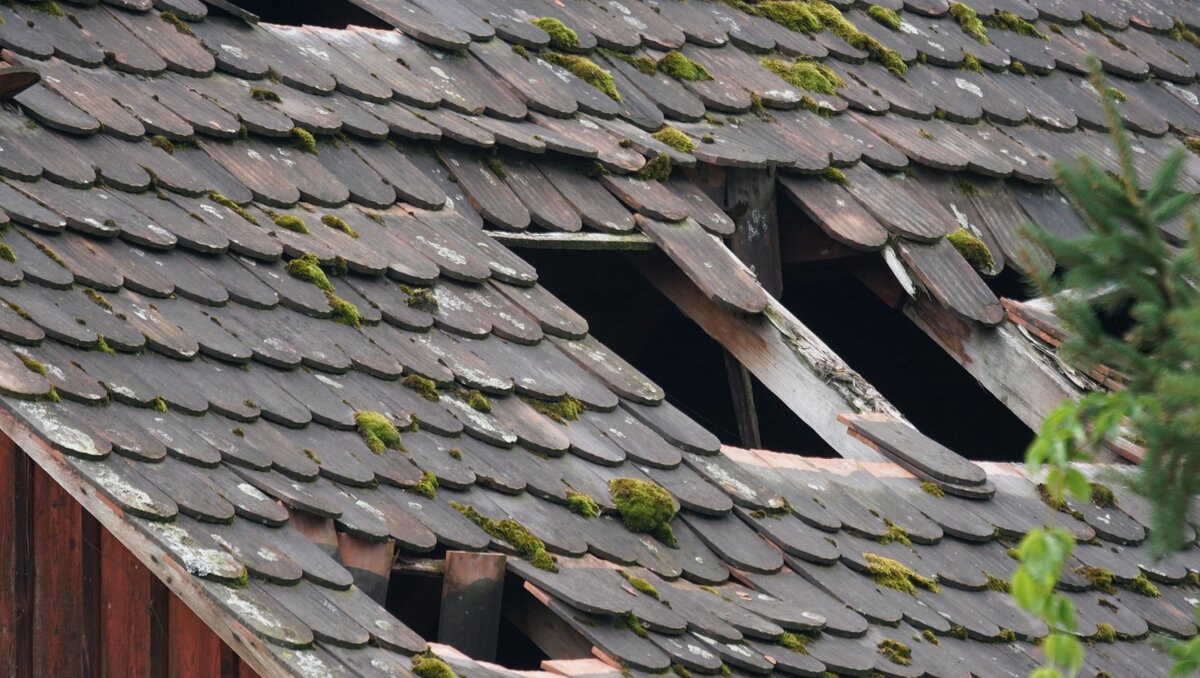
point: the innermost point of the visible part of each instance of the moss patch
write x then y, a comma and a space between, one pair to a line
895, 533
512, 533
658, 169
895, 651
1115, 94
337, 223
426, 388
45, 7
1192, 143
1018, 67
811, 16
377, 431
835, 175
162, 143
102, 345
678, 66
675, 139
996, 583
634, 624
562, 410
1105, 633
174, 20
561, 35
644, 507
885, 16
893, 574
476, 400
264, 94
1006, 636
681, 670
291, 223
7, 253
159, 404
640, 584
808, 75
969, 21
308, 269
796, 642
1142, 586
932, 489
32, 364
974, 250
420, 298
930, 637
427, 486
971, 63
1100, 578
586, 70
426, 665
1011, 22
304, 140
97, 298
1102, 496
220, 199
342, 311
1181, 32
581, 504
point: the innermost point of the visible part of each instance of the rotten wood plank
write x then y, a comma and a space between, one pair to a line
472, 589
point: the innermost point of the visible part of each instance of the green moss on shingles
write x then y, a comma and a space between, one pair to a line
895, 651
895, 575
420, 298
1181, 32
162, 143
678, 66
562, 410
174, 20
675, 139
640, 584
237, 209
476, 400
930, 637
1192, 143
581, 504
512, 533
337, 223
102, 345
644, 506
45, 7
97, 298
725, 671
426, 388
311, 455
1011, 22
969, 21
796, 642
1018, 67
1105, 633
885, 16
681, 670
1100, 578
586, 70
377, 431
342, 311
265, 95
455, 453
1102, 496
303, 140
1142, 586
307, 268
807, 75
496, 166
1006, 635
894, 533
520, 51
32, 364
427, 486
657, 169
52, 395
292, 223
427, 665
641, 64
634, 624
973, 249
1115, 94
971, 63
159, 404
996, 583
793, 15
932, 489
561, 35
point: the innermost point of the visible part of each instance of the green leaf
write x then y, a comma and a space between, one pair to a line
1078, 485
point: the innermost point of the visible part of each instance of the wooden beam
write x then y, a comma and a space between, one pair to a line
165, 568
741, 390
58, 599
15, 558
999, 358
370, 562
192, 648
633, 242
525, 607
750, 201
126, 612
791, 361
472, 592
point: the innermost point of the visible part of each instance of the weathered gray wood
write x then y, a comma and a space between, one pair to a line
575, 241
472, 588
812, 380
750, 200
999, 358
741, 389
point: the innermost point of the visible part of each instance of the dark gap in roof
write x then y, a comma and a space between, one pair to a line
328, 13
514, 649
416, 600
631, 317
936, 394
1013, 285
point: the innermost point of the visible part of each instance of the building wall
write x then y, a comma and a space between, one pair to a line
75, 602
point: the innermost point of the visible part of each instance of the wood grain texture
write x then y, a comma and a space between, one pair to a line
193, 649
57, 586
472, 589
15, 469
126, 611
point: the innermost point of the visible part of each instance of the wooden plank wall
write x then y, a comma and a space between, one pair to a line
78, 603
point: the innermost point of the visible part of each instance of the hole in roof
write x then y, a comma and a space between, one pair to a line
630, 316
328, 13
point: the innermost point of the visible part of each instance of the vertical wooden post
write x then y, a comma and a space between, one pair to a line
58, 599
472, 591
15, 557
91, 562
192, 648
126, 612
370, 562
741, 390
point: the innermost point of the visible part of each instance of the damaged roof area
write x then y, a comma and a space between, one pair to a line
252, 280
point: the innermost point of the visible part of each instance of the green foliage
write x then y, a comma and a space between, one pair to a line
581, 504
292, 223
973, 249
895, 651
644, 507
7, 253
304, 140
808, 75
426, 388
930, 637
885, 16
640, 584
634, 624
893, 574
562, 410
681, 670
675, 139
377, 431
1100, 578
496, 165
658, 169
561, 35
678, 66
512, 533
426, 665
586, 70
969, 21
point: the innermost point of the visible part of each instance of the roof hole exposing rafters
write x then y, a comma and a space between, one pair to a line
329, 13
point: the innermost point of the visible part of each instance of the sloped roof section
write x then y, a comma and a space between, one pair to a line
227, 242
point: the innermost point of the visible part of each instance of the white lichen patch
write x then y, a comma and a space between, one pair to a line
196, 559
61, 435
122, 492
